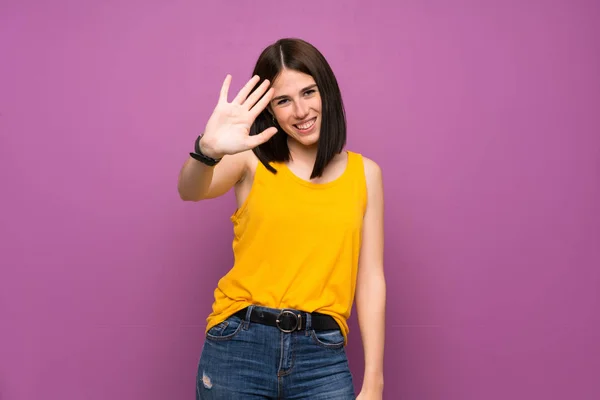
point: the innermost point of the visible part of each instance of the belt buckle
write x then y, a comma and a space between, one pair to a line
297, 317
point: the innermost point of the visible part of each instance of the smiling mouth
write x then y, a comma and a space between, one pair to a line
306, 125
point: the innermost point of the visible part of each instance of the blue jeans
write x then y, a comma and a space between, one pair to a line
245, 360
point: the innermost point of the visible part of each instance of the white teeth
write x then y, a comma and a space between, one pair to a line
307, 125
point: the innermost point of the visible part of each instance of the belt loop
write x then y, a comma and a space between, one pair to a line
248, 315
308, 322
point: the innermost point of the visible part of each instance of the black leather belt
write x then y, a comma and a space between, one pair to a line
290, 321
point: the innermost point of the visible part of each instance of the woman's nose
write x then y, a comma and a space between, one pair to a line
301, 110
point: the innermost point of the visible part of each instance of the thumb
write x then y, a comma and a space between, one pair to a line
264, 136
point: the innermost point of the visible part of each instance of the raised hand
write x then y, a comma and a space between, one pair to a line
228, 128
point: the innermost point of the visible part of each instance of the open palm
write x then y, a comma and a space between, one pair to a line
228, 128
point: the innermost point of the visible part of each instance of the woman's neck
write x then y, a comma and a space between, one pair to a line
300, 154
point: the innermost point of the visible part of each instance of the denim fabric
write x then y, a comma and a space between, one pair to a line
245, 360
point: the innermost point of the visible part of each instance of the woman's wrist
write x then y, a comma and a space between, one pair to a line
208, 151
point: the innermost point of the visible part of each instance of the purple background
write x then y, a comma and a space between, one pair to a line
482, 114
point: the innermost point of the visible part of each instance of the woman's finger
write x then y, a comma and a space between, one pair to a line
256, 140
253, 98
225, 89
262, 103
243, 93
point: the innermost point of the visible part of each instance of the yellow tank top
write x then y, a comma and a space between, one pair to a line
296, 244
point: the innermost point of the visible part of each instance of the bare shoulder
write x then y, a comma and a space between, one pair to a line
250, 161
373, 174
230, 172
240, 163
235, 166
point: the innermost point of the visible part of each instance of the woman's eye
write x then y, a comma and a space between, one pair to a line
309, 92
282, 101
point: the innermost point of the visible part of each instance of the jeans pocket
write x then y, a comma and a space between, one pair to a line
330, 339
226, 330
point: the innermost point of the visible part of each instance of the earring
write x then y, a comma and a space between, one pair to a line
274, 122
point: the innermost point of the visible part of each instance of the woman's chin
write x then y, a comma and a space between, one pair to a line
306, 141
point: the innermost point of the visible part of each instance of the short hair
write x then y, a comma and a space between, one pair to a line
299, 55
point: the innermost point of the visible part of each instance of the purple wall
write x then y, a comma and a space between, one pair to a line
482, 116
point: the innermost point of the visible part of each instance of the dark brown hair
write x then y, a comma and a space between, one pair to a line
301, 56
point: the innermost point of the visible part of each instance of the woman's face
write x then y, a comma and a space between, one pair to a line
296, 106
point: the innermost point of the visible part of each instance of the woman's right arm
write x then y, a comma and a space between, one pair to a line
227, 136
198, 181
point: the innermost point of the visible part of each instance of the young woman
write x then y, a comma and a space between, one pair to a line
308, 236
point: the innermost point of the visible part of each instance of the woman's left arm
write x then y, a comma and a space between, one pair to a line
371, 286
